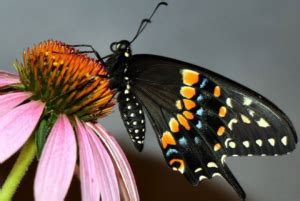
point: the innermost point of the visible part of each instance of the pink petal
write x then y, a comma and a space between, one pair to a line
11, 100
120, 159
97, 168
57, 163
7, 78
90, 184
17, 126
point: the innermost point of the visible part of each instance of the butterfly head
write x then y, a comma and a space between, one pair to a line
121, 48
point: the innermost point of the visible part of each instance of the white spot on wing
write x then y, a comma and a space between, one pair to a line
251, 112
284, 140
262, 123
271, 141
246, 143
227, 141
202, 178
247, 101
216, 174
259, 142
223, 158
212, 165
198, 170
229, 102
231, 122
232, 144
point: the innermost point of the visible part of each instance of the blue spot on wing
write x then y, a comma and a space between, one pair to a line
199, 124
182, 141
203, 83
200, 98
171, 151
200, 112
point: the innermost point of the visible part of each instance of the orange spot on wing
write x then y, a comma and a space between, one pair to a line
183, 121
217, 147
222, 111
217, 91
189, 104
190, 77
188, 92
188, 115
167, 139
179, 163
174, 126
221, 131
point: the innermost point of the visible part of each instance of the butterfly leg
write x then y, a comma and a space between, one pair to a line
93, 51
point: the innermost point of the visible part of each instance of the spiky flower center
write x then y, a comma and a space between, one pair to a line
66, 81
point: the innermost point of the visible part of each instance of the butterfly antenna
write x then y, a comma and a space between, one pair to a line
146, 21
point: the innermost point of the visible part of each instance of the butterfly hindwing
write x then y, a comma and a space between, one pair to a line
186, 147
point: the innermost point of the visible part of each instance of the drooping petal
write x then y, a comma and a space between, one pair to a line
57, 163
104, 169
89, 180
17, 126
11, 100
120, 160
7, 78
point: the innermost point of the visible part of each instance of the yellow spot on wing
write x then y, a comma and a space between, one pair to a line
190, 77
188, 92
217, 91
167, 139
189, 104
245, 119
183, 121
179, 104
174, 126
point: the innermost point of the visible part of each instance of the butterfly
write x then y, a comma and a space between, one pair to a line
200, 117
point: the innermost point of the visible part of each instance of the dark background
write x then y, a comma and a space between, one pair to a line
253, 42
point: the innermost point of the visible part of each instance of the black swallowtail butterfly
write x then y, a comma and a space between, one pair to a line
200, 117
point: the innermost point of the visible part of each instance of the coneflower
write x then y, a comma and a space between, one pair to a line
50, 110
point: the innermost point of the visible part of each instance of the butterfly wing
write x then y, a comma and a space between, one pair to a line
201, 117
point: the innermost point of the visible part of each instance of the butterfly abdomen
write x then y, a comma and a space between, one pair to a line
133, 117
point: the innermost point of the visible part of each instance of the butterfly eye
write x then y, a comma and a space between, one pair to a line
121, 47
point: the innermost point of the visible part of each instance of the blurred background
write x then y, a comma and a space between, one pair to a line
253, 42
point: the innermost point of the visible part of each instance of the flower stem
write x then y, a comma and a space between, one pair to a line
18, 171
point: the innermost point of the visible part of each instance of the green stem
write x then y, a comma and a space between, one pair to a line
18, 171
